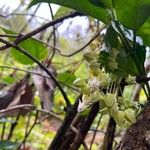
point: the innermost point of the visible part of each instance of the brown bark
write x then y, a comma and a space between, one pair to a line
67, 138
70, 135
109, 137
61, 133
79, 139
137, 137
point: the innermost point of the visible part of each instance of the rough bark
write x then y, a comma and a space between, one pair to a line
109, 137
61, 134
137, 137
66, 138
85, 127
70, 135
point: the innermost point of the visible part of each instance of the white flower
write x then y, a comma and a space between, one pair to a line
94, 84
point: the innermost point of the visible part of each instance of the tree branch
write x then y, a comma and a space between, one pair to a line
36, 31
21, 50
91, 40
85, 127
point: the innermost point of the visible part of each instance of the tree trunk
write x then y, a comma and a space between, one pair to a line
85, 127
66, 138
137, 137
60, 136
109, 136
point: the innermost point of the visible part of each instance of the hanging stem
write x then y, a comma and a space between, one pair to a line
95, 131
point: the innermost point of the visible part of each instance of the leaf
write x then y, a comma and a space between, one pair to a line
66, 77
107, 59
125, 63
132, 13
83, 6
116, 60
110, 50
130, 115
79, 82
102, 3
111, 38
45, 87
144, 32
6, 98
61, 12
8, 79
32, 46
19, 93
8, 145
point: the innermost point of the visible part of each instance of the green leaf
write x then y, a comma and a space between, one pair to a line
8, 79
8, 145
32, 46
144, 32
102, 3
83, 6
116, 60
66, 77
111, 38
132, 13
61, 12
130, 115
80, 82
125, 63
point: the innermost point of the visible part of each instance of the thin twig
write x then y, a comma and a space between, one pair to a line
21, 50
49, 113
61, 133
24, 106
26, 14
54, 36
74, 53
25, 70
87, 44
26, 130
28, 133
9, 35
3, 131
79, 138
26, 24
85, 146
45, 76
95, 132
13, 125
29, 106
73, 129
39, 29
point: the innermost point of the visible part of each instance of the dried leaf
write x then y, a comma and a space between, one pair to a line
45, 87
19, 93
